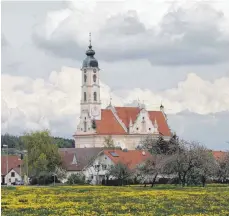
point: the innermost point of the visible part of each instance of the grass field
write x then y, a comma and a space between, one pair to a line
100, 200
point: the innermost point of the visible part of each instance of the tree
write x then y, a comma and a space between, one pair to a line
151, 168
155, 146
205, 167
223, 168
121, 172
93, 124
42, 153
109, 142
76, 179
192, 163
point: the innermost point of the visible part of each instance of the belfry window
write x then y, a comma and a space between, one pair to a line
94, 78
95, 96
85, 78
85, 96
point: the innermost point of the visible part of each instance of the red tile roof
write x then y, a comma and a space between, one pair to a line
109, 124
131, 158
219, 154
13, 162
127, 113
163, 127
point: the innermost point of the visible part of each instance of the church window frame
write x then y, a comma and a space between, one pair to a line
85, 96
94, 78
95, 96
85, 126
85, 78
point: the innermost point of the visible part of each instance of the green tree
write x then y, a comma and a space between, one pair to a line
121, 172
108, 142
42, 153
76, 179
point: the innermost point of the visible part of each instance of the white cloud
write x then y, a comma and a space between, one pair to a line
182, 33
55, 103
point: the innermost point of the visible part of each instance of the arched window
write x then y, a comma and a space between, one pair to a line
85, 96
85, 126
94, 78
85, 78
95, 96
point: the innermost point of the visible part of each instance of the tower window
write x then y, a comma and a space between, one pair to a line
85, 78
94, 78
85, 126
94, 70
95, 96
85, 96
143, 118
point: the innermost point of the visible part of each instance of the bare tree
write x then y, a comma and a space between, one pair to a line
151, 168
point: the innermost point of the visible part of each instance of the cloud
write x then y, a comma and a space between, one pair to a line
31, 104
183, 35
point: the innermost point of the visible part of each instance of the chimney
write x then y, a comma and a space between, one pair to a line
143, 153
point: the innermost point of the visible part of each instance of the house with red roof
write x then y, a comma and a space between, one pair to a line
94, 163
10, 169
97, 171
126, 125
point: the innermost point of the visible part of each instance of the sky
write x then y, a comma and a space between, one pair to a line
174, 52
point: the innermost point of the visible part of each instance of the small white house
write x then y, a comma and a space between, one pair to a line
10, 169
13, 176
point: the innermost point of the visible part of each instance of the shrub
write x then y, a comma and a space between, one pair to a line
76, 179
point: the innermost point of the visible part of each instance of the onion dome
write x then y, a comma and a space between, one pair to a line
90, 61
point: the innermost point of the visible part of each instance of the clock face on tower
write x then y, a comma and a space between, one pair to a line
95, 111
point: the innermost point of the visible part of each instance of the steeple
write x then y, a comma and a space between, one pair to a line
90, 61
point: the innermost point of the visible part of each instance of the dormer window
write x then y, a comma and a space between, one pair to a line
74, 161
149, 129
143, 118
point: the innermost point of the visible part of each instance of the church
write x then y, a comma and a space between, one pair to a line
126, 126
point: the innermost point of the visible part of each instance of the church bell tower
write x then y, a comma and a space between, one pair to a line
90, 92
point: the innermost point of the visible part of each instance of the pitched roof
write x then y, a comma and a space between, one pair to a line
131, 157
83, 157
13, 162
127, 113
108, 125
163, 127
219, 154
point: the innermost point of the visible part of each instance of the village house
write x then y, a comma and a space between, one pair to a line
94, 163
13, 173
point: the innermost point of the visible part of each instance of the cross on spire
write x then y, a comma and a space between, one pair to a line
90, 40
110, 100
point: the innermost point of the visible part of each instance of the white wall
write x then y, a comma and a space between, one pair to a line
125, 141
96, 175
9, 179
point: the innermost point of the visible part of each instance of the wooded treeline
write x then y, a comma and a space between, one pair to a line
16, 142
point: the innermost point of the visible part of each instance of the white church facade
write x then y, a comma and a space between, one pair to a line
127, 126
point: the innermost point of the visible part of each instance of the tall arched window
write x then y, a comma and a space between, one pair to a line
94, 78
85, 96
95, 96
85, 126
85, 78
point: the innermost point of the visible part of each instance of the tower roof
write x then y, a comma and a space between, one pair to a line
90, 61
